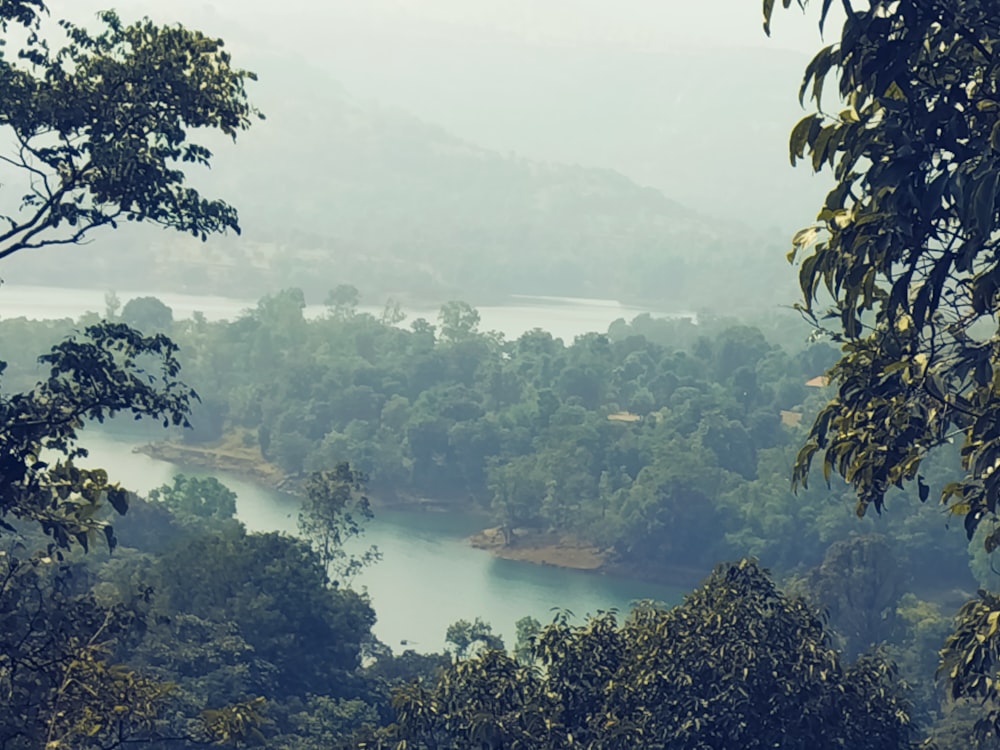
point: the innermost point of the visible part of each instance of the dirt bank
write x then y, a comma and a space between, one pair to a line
227, 455
232, 456
541, 548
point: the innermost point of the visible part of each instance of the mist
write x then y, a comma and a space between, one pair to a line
406, 140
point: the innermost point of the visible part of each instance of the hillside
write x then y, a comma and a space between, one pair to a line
332, 190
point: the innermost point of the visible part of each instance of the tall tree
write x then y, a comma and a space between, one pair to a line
906, 246
334, 511
906, 249
100, 126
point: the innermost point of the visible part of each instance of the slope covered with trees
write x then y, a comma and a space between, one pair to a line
405, 208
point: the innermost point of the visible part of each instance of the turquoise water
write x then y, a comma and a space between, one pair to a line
428, 577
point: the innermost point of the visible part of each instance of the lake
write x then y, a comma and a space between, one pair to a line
563, 317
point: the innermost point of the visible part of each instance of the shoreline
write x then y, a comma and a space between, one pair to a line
552, 549
220, 458
541, 548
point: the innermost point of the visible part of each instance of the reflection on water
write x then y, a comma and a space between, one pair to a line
428, 578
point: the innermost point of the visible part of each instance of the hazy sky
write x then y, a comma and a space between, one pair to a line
689, 97
638, 24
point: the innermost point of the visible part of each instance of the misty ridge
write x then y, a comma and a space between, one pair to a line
427, 152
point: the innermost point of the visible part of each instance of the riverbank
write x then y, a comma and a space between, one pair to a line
541, 548
229, 455
233, 455
236, 455
567, 551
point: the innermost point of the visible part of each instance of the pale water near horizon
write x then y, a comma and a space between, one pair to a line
563, 317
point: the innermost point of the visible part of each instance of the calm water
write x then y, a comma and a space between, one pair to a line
429, 576
563, 317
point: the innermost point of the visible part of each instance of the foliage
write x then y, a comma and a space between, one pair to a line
237, 725
970, 659
101, 124
738, 664
467, 637
923, 628
60, 683
859, 584
98, 127
905, 246
274, 588
147, 314
107, 370
332, 513
23, 12
527, 629
483, 423
196, 499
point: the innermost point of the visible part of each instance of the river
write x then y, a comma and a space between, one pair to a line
428, 577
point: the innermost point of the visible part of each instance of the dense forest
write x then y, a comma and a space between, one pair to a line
663, 444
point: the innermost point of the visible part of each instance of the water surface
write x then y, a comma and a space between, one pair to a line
429, 576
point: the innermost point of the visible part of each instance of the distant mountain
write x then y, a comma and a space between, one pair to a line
690, 98
333, 188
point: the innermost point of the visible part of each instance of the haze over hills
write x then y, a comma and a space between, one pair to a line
691, 98
564, 159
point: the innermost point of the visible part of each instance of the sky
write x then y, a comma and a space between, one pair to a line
637, 24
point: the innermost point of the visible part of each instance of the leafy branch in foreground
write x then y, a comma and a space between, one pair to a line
907, 247
108, 370
100, 126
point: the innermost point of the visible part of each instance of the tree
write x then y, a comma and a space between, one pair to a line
969, 662
342, 301
148, 314
276, 590
107, 370
906, 247
859, 584
333, 511
100, 126
60, 687
527, 629
465, 636
193, 499
737, 665
458, 320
